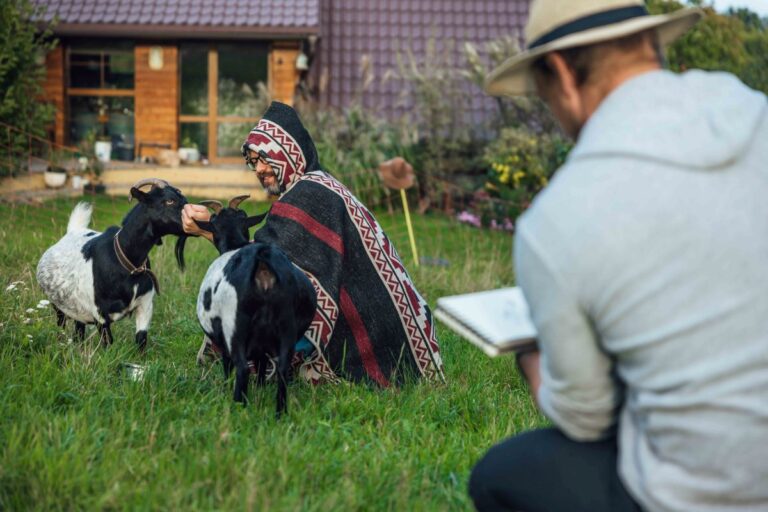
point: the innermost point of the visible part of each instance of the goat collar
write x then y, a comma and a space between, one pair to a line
130, 267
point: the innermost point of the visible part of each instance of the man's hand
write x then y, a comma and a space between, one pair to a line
198, 212
529, 362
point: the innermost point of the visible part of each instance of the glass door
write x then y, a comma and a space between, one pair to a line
222, 96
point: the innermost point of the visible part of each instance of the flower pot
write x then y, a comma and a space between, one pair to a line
77, 182
189, 155
54, 179
103, 150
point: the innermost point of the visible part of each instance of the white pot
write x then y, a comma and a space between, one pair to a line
77, 182
189, 155
103, 150
54, 179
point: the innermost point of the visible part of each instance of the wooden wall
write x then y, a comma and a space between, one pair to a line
156, 98
53, 89
283, 74
157, 91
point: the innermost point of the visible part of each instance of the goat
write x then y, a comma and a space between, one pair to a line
92, 277
253, 303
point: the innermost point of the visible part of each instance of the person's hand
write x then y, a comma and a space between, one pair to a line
197, 212
529, 363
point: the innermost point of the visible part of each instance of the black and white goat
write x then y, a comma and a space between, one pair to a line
98, 278
254, 304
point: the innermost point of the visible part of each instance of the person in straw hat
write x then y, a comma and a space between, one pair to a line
644, 264
371, 323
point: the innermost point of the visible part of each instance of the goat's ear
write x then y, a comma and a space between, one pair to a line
252, 221
138, 194
204, 225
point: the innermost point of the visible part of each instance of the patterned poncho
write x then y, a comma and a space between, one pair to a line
371, 323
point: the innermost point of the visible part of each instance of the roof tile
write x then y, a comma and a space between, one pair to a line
381, 27
219, 13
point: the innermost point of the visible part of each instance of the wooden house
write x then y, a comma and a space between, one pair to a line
150, 74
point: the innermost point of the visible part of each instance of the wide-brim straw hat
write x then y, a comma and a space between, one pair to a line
561, 24
397, 173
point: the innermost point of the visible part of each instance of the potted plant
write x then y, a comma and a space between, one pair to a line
56, 173
102, 147
188, 152
90, 165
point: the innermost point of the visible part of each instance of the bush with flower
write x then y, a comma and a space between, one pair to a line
521, 163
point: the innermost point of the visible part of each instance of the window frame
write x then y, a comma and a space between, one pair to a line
212, 118
92, 91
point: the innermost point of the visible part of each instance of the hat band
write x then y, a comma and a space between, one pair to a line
592, 21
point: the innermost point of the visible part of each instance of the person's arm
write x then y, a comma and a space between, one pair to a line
572, 376
197, 212
529, 363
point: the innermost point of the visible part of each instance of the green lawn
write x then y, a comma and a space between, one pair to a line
76, 433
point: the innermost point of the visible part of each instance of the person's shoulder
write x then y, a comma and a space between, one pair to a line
568, 204
315, 187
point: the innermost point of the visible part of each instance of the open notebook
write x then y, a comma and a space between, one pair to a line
497, 321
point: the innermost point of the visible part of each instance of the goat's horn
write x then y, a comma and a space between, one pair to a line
235, 201
155, 182
214, 205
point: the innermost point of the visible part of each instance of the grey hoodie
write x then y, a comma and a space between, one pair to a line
645, 263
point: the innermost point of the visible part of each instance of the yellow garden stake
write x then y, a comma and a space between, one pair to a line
398, 174
410, 227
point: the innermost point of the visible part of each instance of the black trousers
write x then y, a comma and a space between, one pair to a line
542, 470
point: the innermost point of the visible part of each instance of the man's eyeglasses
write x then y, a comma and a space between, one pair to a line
261, 157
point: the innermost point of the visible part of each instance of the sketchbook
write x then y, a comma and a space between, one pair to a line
497, 321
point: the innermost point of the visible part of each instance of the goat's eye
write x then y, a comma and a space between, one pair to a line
170, 202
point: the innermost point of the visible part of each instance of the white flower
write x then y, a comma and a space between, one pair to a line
27, 320
13, 285
43, 303
29, 336
30, 310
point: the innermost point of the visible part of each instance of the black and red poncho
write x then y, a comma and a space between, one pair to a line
371, 323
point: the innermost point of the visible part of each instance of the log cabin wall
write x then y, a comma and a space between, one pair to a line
157, 91
283, 74
157, 99
53, 89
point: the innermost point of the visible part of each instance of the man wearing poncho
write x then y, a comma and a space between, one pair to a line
371, 324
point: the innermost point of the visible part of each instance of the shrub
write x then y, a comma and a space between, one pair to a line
520, 164
351, 144
21, 73
736, 42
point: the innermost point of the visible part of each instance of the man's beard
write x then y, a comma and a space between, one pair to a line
272, 190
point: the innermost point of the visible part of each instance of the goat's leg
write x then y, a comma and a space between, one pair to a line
106, 335
263, 362
79, 330
143, 317
61, 318
243, 373
284, 359
227, 365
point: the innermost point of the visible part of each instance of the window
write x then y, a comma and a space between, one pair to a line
100, 94
219, 101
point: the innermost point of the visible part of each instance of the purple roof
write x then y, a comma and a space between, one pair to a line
376, 28
183, 18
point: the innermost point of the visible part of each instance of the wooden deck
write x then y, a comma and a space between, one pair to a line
208, 182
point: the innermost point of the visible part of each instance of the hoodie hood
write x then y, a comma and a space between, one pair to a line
696, 119
289, 149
